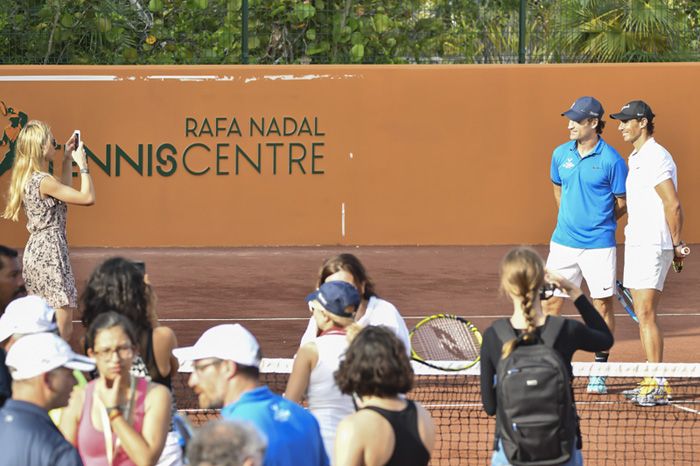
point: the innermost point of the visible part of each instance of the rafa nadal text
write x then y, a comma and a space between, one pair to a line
218, 146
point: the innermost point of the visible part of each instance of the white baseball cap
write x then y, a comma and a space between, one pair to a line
30, 314
229, 342
33, 355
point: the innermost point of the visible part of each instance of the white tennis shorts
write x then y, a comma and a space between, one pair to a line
597, 266
646, 267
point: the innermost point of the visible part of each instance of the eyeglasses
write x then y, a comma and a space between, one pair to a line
123, 351
199, 368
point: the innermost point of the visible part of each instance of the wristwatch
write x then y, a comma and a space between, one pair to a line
85, 170
114, 412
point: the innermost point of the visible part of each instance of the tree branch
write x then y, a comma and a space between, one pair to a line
343, 19
56, 17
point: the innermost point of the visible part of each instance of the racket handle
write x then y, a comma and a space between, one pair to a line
677, 264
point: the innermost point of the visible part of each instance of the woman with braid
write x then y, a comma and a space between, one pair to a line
522, 278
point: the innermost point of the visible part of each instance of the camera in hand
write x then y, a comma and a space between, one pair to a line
140, 265
547, 291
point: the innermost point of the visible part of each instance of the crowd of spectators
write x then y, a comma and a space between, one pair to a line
115, 405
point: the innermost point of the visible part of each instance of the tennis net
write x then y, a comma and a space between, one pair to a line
615, 431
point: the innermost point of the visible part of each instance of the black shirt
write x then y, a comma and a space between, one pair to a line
592, 336
408, 447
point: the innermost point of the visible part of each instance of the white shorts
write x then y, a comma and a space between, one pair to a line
597, 266
646, 267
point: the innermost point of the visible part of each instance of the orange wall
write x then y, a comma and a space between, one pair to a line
418, 155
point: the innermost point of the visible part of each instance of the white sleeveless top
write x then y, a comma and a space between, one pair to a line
326, 403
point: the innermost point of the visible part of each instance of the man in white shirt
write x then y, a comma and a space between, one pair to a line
652, 234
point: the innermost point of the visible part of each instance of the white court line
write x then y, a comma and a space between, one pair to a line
231, 319
478, 405
685, 408
254, 319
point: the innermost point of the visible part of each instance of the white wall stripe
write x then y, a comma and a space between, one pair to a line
59, 77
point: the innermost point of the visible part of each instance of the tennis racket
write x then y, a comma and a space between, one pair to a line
625, 297
445, 342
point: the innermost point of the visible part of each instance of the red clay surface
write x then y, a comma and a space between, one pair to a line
268, 285
264, 288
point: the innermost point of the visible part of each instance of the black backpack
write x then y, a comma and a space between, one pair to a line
535, 416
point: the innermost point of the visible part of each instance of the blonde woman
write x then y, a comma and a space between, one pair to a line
333, 306
522, 277
47, 270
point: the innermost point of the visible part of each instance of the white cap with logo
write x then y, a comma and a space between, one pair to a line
33, 355
229, 342
30, 314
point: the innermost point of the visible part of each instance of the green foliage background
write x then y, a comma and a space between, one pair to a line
345, 31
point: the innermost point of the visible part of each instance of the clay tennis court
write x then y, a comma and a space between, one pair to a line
264, 289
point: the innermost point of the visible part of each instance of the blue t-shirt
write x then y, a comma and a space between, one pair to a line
28, 436
589, 186
293, 435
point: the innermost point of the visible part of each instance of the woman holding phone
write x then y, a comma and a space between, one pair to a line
523, 276
47, 269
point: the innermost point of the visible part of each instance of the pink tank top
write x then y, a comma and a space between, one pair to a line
91, 442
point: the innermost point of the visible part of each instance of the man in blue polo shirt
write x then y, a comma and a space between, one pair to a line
588, 177
41, 366
225, 369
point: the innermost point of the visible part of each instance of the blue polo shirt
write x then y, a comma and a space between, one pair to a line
27, 436
589, 186
293, 434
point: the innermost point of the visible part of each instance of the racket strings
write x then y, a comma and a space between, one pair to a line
446, 339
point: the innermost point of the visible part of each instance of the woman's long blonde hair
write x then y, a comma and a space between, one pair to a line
522, 276
29, 158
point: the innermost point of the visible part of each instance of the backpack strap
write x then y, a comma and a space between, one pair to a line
552, 328
504, 331
549, 335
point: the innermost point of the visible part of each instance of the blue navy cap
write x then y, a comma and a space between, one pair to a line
335, 297
584, 107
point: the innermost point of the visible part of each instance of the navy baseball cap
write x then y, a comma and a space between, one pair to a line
335, 296
634, 110
584, 107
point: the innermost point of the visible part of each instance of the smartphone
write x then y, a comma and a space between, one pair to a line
141, 266
547, 291
76, 135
